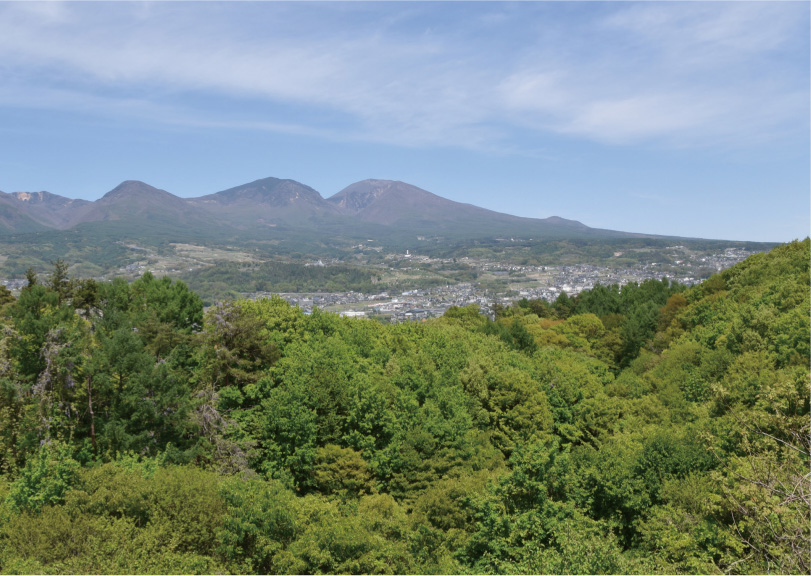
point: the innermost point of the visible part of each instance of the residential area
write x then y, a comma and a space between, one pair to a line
505, 284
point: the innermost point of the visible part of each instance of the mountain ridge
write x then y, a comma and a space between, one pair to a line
388, 201
266, 202
46, 209
387, 209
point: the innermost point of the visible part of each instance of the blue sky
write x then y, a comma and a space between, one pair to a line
678, 118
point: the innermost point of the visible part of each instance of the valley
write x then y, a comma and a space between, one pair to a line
497, 284
280, 236
405, 288
388, 285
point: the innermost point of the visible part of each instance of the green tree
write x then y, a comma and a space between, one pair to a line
59, 282
45, 479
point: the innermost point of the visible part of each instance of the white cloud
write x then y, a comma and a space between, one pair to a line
679, 74
638, 117
704, 33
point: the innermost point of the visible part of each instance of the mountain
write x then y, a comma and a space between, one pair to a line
46, 209
405, 206
13, 217
134, 199
284, 218
388, 202
139, 211
266, 202
52, 210
267, 191
278, 210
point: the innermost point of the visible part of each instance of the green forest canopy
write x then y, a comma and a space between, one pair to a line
651, 428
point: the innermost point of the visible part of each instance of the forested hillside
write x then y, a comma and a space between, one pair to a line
647, 429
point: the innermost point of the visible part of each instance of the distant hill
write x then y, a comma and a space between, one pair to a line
265, 202
13, 217
135, 200
280, 210
267, 191
283, 219
392, 202
50, 210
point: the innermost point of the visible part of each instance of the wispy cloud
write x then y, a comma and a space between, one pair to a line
457, 75
680, 74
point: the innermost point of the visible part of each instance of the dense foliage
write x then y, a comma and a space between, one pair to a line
228, 279
642, 429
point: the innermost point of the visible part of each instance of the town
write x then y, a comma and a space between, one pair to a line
417, 287
503, 284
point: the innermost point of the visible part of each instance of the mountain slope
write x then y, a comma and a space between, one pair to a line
281, 210
404, 206
134, 199
13, 218
138, 210
266, 202
51, 210
388, 202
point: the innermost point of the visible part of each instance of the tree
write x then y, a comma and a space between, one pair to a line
45, 478
59, 282
86, 295
6, 296
238, 349
30, 277
564, 306
34, 314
